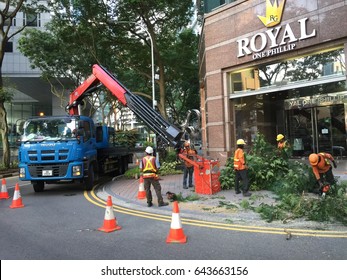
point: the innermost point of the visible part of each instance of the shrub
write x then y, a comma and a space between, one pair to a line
290, 180
169, 168
227, 175
171, 156
131, 173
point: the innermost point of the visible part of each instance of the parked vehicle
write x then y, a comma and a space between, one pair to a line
73, 148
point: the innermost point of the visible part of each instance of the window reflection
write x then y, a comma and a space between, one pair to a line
314, 67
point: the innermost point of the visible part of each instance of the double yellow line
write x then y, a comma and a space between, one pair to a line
290, 232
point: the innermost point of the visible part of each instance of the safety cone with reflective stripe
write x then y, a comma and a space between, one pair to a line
176, 234
141, 193
110, 222
4, 192
17, 199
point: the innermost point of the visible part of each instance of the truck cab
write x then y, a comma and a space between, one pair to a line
57, 148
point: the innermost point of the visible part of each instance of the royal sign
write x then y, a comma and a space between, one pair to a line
276, 40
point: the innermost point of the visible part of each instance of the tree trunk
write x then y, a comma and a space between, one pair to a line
4, 136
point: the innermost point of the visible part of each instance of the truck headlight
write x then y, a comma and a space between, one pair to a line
22, 172
76, 170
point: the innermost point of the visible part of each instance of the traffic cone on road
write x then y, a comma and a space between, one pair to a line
4, 192
142, 193
110, 222
176, 234
17, 199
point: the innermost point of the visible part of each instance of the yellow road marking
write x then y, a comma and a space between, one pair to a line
92, 198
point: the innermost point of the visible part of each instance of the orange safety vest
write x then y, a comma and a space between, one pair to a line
149, 167
189, 153
239, 160
282, 145
323, 164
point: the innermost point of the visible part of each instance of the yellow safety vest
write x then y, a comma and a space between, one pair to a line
149, 168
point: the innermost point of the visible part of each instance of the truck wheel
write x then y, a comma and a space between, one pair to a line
123, 165
39, 186
89, 181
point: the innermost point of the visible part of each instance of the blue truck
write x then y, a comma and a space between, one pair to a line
74, 148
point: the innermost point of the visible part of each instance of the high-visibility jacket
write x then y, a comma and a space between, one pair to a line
282, 144
149, 167
323, 164
189, 153
239, 160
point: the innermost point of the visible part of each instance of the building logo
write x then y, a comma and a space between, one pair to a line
273, 13
277, 38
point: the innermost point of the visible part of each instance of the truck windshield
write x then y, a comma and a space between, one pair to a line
54, 129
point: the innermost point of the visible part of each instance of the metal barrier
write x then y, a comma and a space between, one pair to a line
206, 174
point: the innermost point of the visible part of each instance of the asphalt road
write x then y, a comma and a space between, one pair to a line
61, 224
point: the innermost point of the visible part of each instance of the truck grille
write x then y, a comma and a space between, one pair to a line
48, 155
58, 170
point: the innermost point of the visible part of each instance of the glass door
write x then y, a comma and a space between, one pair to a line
300, 131
330, 129
318, 129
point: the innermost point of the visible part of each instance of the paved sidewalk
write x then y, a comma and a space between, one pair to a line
224, 206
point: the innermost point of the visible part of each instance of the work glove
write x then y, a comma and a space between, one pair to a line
334, 164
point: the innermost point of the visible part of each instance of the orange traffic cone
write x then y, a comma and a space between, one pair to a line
4, 192
17, 199
142, 193
110, 222
176, 234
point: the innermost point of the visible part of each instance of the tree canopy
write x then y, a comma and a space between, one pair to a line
117, 34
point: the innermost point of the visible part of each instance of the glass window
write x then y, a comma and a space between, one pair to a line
318, 69
9, 47
31, 20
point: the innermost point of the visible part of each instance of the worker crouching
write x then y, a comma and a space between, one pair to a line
322, 169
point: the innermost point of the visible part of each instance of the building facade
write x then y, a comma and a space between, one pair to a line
274, 66
31, 95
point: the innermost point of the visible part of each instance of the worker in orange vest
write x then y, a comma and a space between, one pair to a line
188, 167
322, 168
149, 170
240, 167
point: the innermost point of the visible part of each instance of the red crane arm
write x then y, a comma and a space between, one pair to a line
99, 76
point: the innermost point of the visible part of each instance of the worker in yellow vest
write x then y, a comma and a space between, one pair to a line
240, 167
283, 146
149, 170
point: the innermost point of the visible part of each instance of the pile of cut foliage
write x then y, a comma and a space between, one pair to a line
291, 181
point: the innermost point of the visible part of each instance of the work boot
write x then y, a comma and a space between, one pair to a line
149, 204
237, 191
247, 194
185, 187
163, 204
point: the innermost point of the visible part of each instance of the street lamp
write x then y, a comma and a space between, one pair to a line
152, 55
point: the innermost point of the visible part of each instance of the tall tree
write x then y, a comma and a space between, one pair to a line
164, 20
116, 35
8, 11
182, 80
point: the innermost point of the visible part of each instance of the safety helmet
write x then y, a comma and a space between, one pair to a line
240, 142
313, 159
186, 144
279, 137
149, 150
